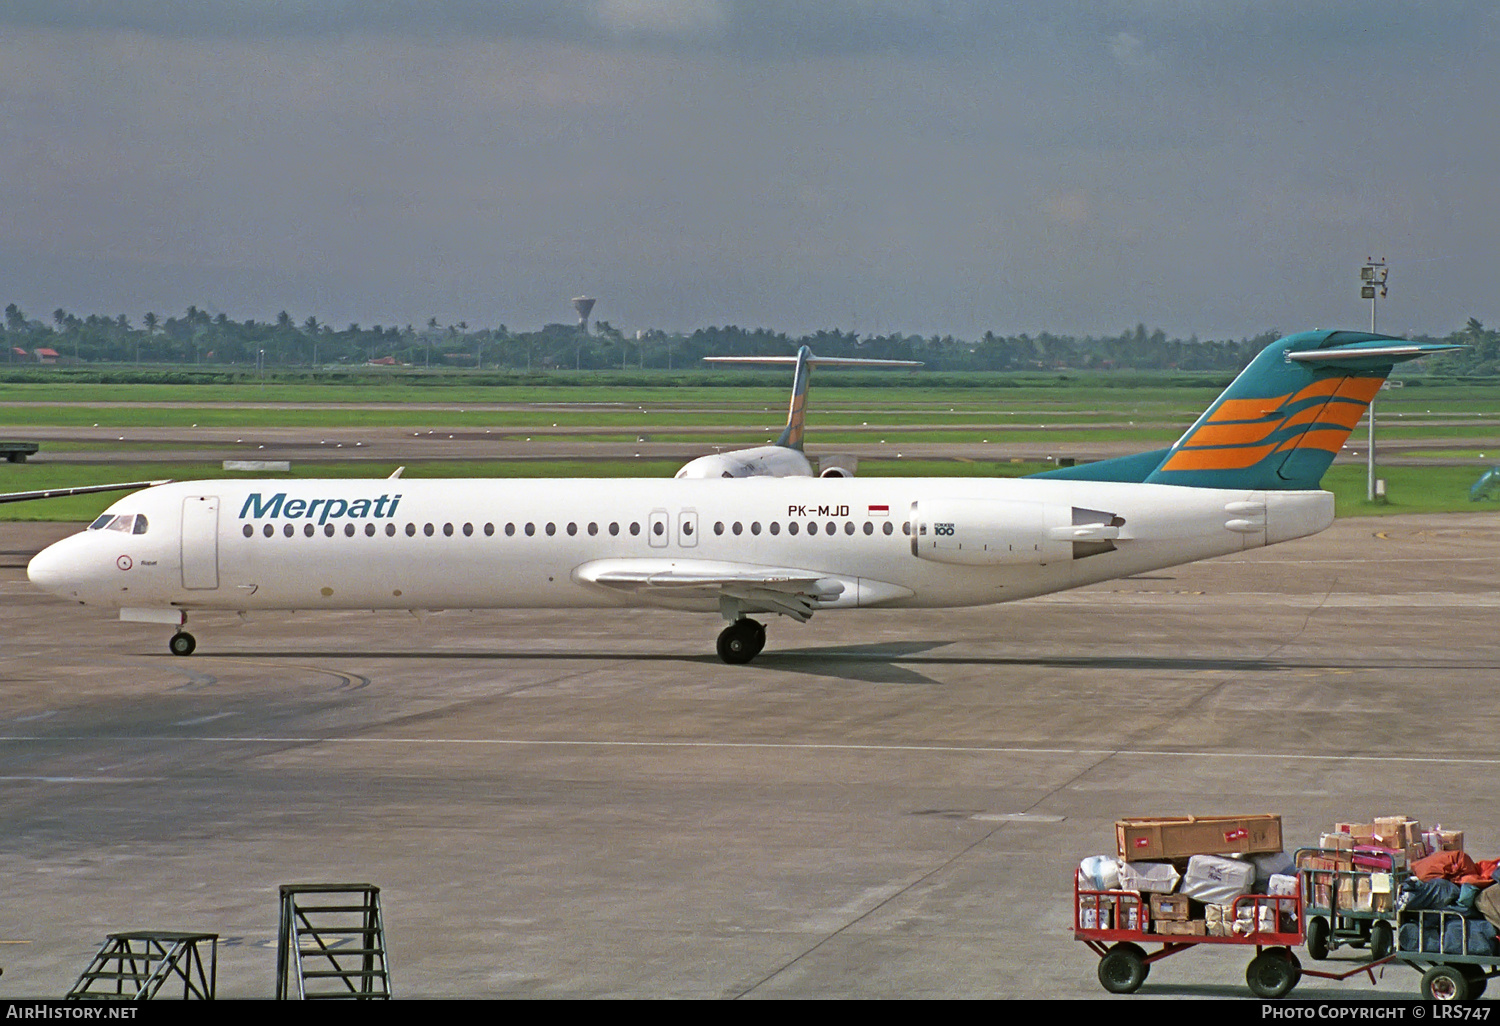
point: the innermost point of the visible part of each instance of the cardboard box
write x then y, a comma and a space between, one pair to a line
1185, 928
1178, 837
1169, 907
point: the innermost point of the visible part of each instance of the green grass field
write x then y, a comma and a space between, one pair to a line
1145, 414
1410, 489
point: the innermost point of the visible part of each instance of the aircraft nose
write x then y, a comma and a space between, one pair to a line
57, 569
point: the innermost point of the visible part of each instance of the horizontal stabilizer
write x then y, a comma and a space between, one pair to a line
816, 361
1370, 355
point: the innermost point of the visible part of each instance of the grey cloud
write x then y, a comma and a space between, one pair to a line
1196, 29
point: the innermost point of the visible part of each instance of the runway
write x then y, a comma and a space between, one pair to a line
884, 804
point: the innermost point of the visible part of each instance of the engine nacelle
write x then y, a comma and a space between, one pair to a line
999, 532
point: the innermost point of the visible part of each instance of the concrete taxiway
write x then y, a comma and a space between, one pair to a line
884, 804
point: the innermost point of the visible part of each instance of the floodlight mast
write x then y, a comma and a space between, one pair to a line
1372, 278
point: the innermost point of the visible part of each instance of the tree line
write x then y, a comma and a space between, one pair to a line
198, 338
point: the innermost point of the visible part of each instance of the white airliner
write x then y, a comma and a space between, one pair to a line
784, 457
1244, 475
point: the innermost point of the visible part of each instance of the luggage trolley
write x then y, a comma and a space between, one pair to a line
1451, 970
1115, 924
1340, 901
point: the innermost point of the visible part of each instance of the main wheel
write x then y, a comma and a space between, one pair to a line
1381, 940
1272, 973
737, 642
1445, 983
758, 638
1123, 968
182, 643
1317, 938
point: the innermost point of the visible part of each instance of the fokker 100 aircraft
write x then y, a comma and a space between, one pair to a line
1244, 475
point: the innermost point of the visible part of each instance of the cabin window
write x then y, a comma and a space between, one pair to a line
775, 527
834, 528
736, 528
288, 530
390, 530
447, 530
635, 528
530, 530
98, 525
812, 527
369, 530
510, 530
348, 530
249, 531
755, 527
593, 529
427, 530
658, 528
489, 530
791, 528
572, 530
869, 527
718, 527
328, 531
411, 530
307, 530
269, 530
468, 530
614, 529
551, 529
848, 527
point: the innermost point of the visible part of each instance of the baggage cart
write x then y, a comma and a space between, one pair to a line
1116, 926
1438, 945
1342, 903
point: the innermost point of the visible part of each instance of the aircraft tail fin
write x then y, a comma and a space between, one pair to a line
791, 435
1279, 424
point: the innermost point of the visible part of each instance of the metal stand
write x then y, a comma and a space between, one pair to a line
331, 935
138, 964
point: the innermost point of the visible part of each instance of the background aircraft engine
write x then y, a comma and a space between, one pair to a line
983, 532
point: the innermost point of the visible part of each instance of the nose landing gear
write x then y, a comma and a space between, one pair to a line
182, 643
741, 641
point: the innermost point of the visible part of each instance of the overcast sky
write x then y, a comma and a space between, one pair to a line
1210, 167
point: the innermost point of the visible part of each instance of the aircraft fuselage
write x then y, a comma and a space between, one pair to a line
489, 544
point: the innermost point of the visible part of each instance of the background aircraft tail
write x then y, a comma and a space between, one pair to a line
1280, 423
791, 435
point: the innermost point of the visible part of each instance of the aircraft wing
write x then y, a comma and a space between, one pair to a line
58, 493
787, 590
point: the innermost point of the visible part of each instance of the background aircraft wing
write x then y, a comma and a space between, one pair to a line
58, 493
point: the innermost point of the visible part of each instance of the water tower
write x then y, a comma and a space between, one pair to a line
584, 306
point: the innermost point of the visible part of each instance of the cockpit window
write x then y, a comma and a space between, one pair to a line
140, 524
123, 524
98, 525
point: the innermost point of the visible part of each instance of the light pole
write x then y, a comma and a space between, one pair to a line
1372, 279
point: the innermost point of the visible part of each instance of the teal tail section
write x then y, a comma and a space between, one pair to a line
1278, 426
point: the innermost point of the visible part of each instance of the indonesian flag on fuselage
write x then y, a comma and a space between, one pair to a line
879, 511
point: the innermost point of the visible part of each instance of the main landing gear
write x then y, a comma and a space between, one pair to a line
182, 643
742, 641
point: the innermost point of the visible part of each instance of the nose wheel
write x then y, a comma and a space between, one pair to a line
182, 643
742, 641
